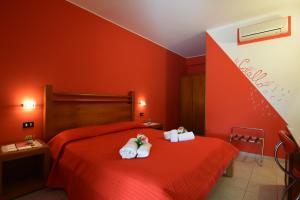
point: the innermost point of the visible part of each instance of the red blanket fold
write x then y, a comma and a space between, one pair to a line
92, 168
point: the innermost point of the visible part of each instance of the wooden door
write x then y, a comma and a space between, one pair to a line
193, 103
199, 104
186, 102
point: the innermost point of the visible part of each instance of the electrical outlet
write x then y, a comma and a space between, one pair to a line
142, 114
28, 124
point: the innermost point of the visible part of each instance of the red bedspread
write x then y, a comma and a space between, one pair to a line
91, 168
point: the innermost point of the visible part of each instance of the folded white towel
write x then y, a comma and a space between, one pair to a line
174, 137
144, 150
186, 136
167, 134
129, 150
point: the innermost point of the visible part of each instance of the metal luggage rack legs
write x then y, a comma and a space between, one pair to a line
242, 134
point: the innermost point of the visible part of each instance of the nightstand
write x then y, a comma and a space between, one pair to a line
154, 125
23, 171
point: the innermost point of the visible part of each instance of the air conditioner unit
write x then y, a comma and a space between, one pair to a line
279, 27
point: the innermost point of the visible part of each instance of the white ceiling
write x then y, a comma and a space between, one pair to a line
179, 25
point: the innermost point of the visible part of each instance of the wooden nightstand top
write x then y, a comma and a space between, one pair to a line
44, 148
154, 125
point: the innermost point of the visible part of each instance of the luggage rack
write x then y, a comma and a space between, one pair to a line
249, 135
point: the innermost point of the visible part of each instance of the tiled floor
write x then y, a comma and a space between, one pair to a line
250, 182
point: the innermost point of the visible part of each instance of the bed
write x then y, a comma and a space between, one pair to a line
86, 160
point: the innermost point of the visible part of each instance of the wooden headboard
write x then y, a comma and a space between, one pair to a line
64, 111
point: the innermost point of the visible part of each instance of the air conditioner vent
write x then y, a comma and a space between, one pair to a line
275, 28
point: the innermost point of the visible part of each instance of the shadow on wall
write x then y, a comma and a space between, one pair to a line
173, 95
191, 45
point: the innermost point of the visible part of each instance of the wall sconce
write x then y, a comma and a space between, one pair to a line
142, 103
28, 104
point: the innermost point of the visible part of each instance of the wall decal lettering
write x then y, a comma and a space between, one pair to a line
257, 76
270, 90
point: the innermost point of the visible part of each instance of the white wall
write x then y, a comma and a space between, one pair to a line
278, 58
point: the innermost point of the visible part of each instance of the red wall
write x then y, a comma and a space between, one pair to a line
229, 101
55, 42
195, 65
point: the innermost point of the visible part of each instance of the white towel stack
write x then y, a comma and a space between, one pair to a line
174, 136
144, 150
168, 134
186, 136
131, 150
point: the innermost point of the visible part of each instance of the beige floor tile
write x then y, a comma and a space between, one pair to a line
266, 193
229, 189
261, 186
272, 166
227, 193
269, 163
243, 170
280, 191
279, 172
233, 182
280, 179
264, 175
